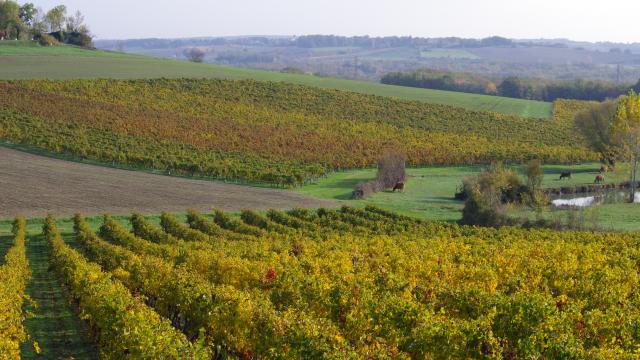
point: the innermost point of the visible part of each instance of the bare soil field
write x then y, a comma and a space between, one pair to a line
33, 186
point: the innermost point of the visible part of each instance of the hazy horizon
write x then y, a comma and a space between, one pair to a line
569, 19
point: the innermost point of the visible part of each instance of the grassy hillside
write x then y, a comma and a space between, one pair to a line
21, 60
264, 131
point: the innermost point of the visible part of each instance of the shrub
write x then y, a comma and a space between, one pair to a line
47, 40
292, 70
535, 175
195, 55
488, 192
391, 171
479, 210
78, 39
365, 189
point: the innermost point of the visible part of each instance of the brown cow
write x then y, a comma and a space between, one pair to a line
565, 175
399, 186
599, 179
604, 169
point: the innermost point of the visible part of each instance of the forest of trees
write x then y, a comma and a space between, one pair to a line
513, 86
27, 22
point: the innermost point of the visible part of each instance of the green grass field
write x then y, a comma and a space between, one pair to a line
26, 61
400, 53
29, 48
429, 193
448, 53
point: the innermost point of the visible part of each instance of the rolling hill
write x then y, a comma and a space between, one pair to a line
25, 60
263, 131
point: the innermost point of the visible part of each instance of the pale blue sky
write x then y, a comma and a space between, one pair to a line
613, 20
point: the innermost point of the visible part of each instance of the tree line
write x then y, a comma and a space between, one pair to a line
313, 41
612, 129
512, 86
28, 22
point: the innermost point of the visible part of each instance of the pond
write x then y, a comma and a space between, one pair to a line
615, 196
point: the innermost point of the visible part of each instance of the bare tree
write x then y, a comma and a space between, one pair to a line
75, 22
391, 170
39, 23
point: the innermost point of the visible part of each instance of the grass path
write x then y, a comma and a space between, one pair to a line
55, 326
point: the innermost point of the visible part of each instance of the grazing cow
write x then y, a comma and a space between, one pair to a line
604, 169
599, 179
399, 186
565, 175
357, 194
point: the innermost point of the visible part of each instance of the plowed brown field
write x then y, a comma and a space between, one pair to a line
34, 186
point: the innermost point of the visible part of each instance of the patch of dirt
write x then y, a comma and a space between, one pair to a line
34, 186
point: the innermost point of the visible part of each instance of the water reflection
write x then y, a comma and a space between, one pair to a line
605, 197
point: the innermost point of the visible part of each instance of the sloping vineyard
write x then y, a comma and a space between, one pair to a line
564, 111
123, 325
261, 131
14, 275
348, 283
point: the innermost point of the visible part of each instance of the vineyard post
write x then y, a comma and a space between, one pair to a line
634, 170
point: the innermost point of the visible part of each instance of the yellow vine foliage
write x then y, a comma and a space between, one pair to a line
122, 324
264, 131
368, 283
14, 276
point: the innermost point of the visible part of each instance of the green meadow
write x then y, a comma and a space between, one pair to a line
429, 194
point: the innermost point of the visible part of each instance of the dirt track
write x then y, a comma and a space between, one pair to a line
34, 186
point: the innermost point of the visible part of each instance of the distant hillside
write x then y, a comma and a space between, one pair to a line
27, 61
370, 58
